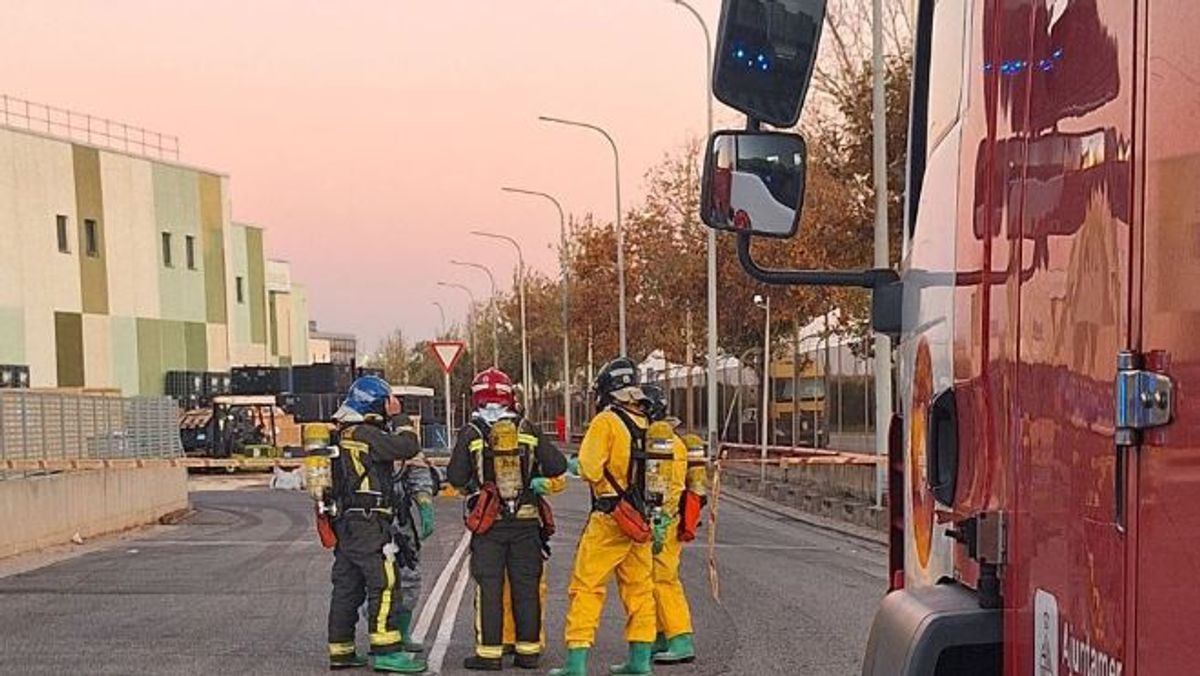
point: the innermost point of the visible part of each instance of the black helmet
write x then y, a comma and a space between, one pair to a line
618, 375
656, 402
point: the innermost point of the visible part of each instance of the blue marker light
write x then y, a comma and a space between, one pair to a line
761, 58
740, 53
765, 66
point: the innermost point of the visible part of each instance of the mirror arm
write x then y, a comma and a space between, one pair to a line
884, 283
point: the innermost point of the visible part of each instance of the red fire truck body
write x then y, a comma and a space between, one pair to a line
1046, 454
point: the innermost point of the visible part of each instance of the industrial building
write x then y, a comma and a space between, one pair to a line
117, 267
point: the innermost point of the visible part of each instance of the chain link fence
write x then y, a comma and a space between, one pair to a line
50, 425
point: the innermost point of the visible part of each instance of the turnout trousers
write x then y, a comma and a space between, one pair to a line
510, 629
603, 551
670, 601
512, 551
361, 572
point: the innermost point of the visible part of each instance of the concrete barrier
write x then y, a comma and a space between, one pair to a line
840, 492
48, 510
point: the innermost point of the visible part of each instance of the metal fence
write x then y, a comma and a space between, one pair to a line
75, 126
49, 425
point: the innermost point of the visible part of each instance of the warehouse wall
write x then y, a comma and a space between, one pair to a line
120, 317
36, 280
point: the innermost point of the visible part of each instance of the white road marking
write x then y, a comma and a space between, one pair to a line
446, 629
439, 588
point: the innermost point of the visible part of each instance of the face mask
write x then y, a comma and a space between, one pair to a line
490, 413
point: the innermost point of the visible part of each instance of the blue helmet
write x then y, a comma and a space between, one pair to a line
368, 395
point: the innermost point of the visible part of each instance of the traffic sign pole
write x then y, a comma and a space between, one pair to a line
449, 417
447, 354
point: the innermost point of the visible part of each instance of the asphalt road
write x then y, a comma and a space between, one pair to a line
241, 587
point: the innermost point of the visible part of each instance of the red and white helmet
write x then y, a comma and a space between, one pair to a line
492, 386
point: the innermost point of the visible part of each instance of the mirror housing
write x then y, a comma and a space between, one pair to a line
754, 182
765, 55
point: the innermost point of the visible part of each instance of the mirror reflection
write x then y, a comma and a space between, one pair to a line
755, 182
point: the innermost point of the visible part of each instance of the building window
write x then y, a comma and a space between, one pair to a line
189, 246
241, 296
166, 250
91, 238
64, 243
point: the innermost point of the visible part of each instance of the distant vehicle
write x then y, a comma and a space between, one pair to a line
238, 425
1042, 478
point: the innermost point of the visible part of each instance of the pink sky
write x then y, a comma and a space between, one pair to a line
369, 136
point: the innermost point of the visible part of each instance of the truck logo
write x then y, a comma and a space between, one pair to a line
1059, 648
922, 501
1045, 633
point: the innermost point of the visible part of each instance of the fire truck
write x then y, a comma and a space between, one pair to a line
1045, 459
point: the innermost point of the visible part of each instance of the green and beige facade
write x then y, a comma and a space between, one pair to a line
115, 269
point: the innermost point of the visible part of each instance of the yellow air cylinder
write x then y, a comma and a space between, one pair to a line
318, 476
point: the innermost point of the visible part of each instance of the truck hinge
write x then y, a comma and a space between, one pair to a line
985, 536
1144, 398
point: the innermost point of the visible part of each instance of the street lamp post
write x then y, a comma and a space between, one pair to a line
620, 231
470, 320
442, 312
525, 366
712, 247
566, 341
495, 309
764, 414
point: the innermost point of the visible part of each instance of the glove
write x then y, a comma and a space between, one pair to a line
659, 534
425, 508
539, 485
573, 466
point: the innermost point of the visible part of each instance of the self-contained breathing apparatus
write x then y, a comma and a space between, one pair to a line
639, 503
503, 467
342, 479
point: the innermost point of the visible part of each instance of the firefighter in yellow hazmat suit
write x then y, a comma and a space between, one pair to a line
612, 459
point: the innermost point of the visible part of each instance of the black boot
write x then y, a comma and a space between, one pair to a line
477, 663
527, 661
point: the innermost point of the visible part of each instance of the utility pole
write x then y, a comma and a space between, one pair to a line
883, 345
691, 394
764, 414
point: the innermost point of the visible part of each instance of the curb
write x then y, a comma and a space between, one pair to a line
816, 521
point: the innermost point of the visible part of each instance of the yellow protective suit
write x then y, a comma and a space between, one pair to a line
670, 601
604, 549
557, 485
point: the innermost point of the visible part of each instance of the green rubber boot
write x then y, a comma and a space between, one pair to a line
660, 644
403, 623
399, 663
577, 659
351, 661
638, 662
680, 650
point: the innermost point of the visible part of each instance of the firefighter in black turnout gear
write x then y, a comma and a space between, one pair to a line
505, 465
366, 565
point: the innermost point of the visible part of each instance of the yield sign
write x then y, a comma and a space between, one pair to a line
447, 353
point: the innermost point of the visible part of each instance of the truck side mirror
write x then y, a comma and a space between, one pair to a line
754, 182
766, 51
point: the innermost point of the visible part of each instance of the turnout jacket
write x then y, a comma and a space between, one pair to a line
363, 478
546, 460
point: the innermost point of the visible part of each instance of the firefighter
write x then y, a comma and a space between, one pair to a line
612, 459
673, 644
505, 466
365, 565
